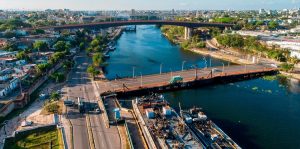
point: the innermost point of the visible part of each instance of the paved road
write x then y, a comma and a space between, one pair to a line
79, 85
164, 78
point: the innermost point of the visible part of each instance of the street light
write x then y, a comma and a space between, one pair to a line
182, 66
171, 72
196, 73
223, 68
133, 72
141, 79
205, 62
160, 68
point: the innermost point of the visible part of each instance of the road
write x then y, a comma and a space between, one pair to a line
80, 85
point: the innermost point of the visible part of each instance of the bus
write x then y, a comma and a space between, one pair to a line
81, 105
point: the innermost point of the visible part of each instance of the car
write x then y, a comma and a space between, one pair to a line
26, 123
97, 110
216, 70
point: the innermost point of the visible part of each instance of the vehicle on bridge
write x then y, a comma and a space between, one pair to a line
81, 107
176, 79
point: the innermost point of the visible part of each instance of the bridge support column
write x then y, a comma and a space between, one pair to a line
187, 33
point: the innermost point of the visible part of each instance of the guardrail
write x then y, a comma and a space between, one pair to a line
128, 135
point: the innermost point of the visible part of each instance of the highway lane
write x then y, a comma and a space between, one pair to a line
78, 120
102, 136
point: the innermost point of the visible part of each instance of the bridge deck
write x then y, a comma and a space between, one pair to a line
157, 80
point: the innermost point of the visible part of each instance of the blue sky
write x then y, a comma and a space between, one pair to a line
148, 4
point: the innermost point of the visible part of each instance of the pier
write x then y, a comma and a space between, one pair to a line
139, 85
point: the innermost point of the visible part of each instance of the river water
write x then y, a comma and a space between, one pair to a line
257, 113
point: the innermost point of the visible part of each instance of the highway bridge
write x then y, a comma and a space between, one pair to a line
187, 24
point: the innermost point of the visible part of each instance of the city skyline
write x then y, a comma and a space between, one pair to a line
147, 5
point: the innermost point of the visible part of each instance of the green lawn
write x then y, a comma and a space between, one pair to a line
40, 140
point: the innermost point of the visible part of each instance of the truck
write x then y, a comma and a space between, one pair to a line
81, 105
175, 79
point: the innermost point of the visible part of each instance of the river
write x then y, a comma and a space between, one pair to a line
259, 113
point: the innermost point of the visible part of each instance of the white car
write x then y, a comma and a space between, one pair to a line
26, 123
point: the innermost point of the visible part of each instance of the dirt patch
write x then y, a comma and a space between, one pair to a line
55, 107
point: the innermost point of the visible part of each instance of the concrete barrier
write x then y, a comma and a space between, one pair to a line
104, 114
128, 136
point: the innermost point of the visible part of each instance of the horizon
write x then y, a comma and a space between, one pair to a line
113, 5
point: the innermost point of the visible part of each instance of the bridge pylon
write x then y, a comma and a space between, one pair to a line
187, 33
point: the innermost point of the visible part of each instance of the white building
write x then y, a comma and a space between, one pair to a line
7, 88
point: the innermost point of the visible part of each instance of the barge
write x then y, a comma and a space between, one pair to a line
206, 130
161, 126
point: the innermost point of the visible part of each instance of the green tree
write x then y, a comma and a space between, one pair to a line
81, 45
287, 67
58, 77
97, 59
42, 68
54, 96
92, 71
21, 55
273, 25
40, 45
61, 46
95, 43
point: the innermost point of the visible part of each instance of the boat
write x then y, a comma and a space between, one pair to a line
206, 130
162, 126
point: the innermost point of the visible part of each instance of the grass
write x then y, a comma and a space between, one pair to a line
40, 140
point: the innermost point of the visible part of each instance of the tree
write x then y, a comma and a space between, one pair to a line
54, 96
41, 68
92, 71
81, 45
40, 45
273, 25
95, 43
287, 67
58, 77
61, 46
97, 59
67, 65
21, 55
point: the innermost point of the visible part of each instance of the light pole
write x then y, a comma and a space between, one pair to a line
133, 71
196, 73
171, 72
182, 66
205, 62
223, 68
141, 79
160, 68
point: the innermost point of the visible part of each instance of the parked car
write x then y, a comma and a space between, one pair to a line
26, 123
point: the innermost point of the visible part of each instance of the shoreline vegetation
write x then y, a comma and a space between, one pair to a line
237, 44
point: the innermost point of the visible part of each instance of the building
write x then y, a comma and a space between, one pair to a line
7, 87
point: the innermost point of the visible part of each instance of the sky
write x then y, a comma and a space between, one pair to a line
148, 4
